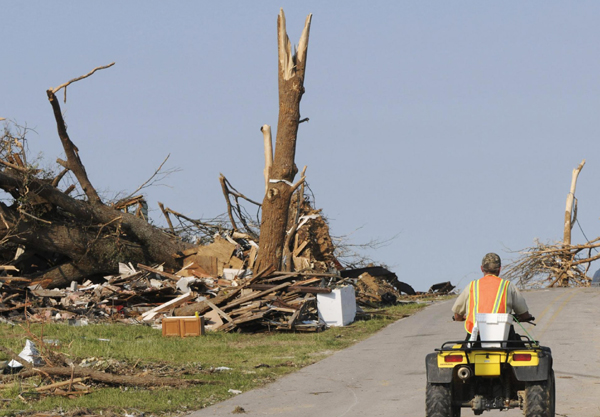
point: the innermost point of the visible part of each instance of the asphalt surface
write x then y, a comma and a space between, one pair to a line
385, 374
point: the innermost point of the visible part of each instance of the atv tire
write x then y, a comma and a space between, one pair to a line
438, 401
552, 394
540, 398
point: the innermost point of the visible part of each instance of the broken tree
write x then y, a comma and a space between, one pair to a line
558, 264
276, 203
83, 237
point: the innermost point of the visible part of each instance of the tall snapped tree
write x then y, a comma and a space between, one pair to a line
571, 206
275, 208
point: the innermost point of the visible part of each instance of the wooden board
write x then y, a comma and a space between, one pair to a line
214, 257
212, 320
150, 314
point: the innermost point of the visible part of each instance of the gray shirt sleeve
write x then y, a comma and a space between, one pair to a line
460, 305
518, 303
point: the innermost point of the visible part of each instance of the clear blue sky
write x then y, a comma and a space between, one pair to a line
453, 124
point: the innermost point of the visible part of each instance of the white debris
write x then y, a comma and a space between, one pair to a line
30, 354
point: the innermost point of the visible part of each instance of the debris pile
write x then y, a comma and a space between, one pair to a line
377, 285
441, 288
213, 283
281, 301
216, 280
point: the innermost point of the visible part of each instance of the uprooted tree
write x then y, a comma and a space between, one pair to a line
85, 235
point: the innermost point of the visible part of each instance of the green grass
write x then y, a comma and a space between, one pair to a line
276, 353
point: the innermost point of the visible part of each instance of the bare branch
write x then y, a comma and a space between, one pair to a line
15, 167
223, 182
550, 265
72, 152
166, 214
33, 217
149, 181
56, 89
59, 177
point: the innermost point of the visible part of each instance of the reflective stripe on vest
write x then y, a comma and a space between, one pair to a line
481, 292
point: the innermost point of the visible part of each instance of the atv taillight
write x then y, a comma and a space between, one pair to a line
453, 358
523, 357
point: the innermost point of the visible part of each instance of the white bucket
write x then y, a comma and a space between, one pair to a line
493, 327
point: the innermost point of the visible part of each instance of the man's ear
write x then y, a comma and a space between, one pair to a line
481, 268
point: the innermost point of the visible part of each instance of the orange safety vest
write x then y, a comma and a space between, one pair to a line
486, 295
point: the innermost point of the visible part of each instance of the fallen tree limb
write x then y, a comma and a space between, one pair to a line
60, 384
106, 378
159, 245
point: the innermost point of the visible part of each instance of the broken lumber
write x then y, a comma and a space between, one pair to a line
149, 315
310, 290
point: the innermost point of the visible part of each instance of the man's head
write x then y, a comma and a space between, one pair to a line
491, 264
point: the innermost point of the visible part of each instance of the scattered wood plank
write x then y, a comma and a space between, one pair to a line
298, 313
300, 248
218, 310
255, 295
310, 274
302, 289
158, 272
149, 315
8, 280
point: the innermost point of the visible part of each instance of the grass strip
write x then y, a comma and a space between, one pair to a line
253, 360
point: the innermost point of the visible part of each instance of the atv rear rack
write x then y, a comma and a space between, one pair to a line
505, 345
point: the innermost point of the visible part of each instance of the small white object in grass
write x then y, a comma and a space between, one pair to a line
222, 368
234, 391
29, 353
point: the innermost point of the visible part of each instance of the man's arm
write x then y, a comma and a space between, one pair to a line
519, 305
526, 317
460, 305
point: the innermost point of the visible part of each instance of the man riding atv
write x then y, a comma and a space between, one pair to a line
490, 294
496, 369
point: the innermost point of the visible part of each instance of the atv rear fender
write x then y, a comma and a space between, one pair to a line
435, 374
444, 375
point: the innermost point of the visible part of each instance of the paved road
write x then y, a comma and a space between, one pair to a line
385, 375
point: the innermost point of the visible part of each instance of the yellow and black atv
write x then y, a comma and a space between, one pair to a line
490, 375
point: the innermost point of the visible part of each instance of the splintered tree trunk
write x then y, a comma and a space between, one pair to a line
570, 204
570, 217
280, 188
